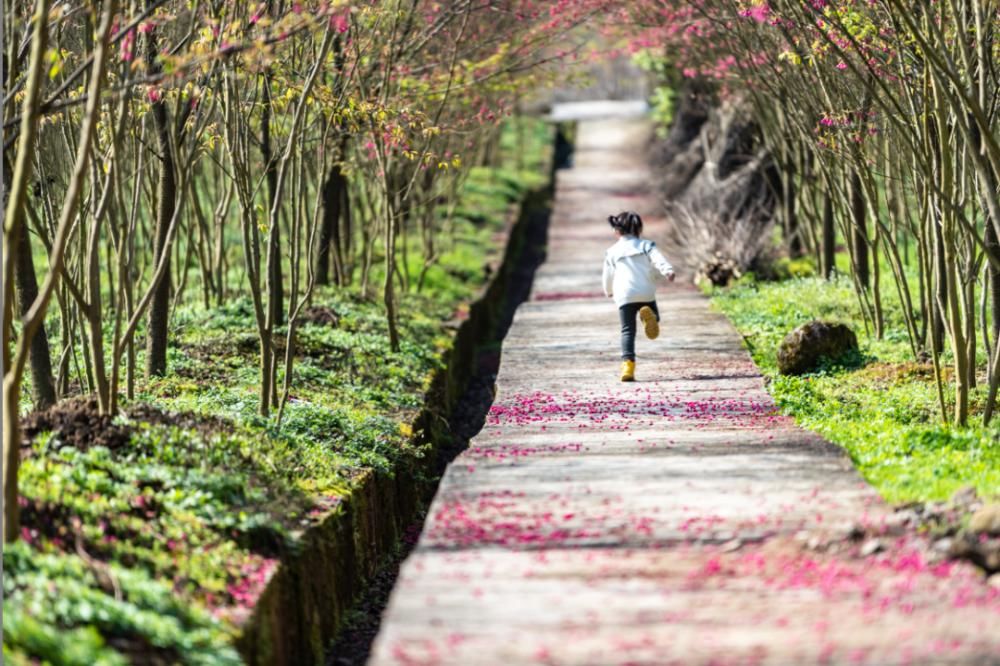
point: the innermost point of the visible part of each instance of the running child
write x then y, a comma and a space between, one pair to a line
630, 268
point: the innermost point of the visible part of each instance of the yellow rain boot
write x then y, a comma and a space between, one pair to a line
649, 323
628, 371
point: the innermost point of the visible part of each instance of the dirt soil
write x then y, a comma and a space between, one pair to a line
78, 423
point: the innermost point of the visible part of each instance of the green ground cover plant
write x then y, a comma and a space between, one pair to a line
146, 537
882, 407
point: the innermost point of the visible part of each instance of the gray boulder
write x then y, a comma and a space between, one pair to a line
802, 349
986, 520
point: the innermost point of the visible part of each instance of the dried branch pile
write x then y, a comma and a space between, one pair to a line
716, 182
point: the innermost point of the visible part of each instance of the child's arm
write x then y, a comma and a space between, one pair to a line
608, 277
660, 262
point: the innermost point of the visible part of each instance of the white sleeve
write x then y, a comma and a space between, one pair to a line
608, 277
659, 261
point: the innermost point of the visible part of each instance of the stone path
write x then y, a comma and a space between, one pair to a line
676, 520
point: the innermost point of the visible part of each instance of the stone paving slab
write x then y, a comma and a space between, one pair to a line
676, 520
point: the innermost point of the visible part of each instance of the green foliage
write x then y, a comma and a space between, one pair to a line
661, 103
786, 268
883, 409
663, 98
197, 509
63, 610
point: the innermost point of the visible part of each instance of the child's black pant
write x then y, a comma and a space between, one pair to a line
627, 315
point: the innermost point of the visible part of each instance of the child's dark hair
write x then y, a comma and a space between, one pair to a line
628, 223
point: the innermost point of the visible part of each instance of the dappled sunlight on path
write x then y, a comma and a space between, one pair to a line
676, 520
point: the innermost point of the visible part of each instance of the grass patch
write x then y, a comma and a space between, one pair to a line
883, 410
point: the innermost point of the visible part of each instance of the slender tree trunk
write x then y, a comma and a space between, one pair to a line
95, 321
219, 251
14, 218
267, 358
940, 297
369, 237
388, 295
130, 272
993, 353
275, 296
876, 274
346, 235
794, 234
42, 384
993, 277
987, 182
960, 361
330, 242
924, 273
88, 362
269, 389
969, 307
159, 307
66, 344
829, 237
860, 230
202, 241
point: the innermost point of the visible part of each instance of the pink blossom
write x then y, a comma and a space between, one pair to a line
340, 23
128, 42
758, 13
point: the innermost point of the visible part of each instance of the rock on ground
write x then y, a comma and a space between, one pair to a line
804, 349
986, 520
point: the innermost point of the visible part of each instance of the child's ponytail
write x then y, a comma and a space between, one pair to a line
628, 223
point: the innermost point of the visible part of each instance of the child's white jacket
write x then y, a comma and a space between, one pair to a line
630, 268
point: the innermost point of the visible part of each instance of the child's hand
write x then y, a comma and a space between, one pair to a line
670, 276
